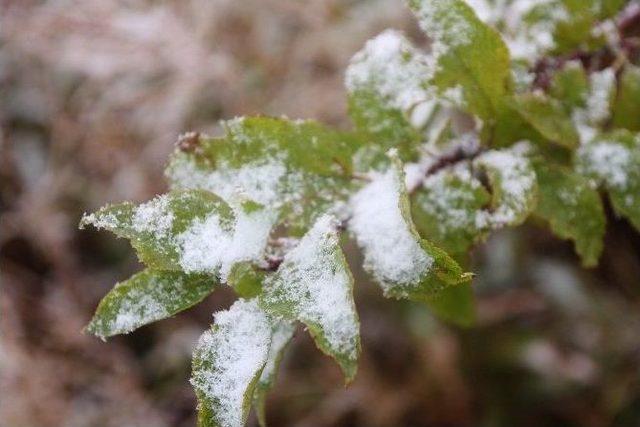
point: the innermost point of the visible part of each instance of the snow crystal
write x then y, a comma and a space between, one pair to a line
516, 182
234, 352
136, 308
209, 245
391, 248
599, 99
261, 181
444, 28
282, 333
313, 277
447, 203
390, 65
525, 41
609, 161
154, 216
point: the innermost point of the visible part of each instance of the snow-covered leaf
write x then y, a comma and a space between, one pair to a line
445, 207
281, 334
146, 297
227, 363
548, 117
404, 265
613, 160
192, 231
314, 286
295, 168
572, 208
469, 56
389, 99
513, 186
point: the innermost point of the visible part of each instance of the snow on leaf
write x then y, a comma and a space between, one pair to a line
467, 53
388, 94
227, 363
402, 263
613, 160
446, 205
294, 168
146, 297
314, 285
281, 334
514, 187
192, 231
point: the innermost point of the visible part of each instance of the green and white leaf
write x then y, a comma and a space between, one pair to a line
227, 363
281, 334
573, 209
314, 286
191, 231
146, 297
469, 56
514, 187
570, 86
404, 265
295, 168
614, 162
445, 208
389, 98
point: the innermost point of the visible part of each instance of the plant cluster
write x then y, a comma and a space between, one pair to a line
520, 110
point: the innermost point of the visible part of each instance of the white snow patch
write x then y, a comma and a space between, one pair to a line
234, 351
391, 66
391, 248
609, 161
315, 279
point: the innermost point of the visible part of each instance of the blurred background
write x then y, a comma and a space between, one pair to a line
93, 95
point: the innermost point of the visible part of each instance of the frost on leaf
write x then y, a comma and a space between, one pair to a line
314, 285
294, 168
281, 334
513, 185
388, 95
614, 162
572, 208
404, 265
467, 53
446, 205
192, 231
146, 297
227, 363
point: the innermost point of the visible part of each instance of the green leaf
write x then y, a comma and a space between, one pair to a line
146, 297
281, 334
314, 285
548, 117
246, 280
470, 56
295, 168
191, 231
455, 304
570, 86
445, 207
386, 81
626, 108
227, 363
404, 265
572, 208
514, 187
613, 160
